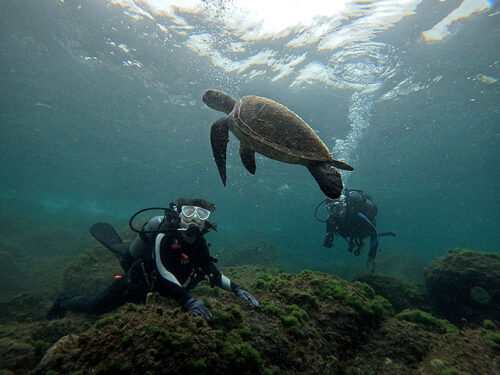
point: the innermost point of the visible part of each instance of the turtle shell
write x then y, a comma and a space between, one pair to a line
272, 123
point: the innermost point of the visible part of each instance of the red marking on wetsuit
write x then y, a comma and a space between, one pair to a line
184, 256
176, 246
118, 277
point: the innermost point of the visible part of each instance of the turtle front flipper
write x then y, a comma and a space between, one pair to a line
219, 137
247, 158
327, 177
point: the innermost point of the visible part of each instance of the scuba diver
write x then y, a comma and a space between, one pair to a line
352, 216
169, 256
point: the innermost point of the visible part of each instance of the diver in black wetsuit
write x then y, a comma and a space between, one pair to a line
170, 256
352, 216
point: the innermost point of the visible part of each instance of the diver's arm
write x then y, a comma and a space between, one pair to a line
331, 226
218, 279
330, 232
172, 289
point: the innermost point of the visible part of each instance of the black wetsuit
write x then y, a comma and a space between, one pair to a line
353, 226
181, 266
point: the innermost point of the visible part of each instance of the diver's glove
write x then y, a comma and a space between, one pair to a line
243, 294
197, 308
328, 240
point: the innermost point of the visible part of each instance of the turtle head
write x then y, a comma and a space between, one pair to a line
219, 100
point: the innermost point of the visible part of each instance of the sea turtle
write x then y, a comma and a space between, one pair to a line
271, 129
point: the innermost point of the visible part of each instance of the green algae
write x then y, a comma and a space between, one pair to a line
115, 365
198, 366
293, 322
263, 281
273, 370
107, 320
367, 289
488, 324
427, 321
40, 347
126, 339
226, 319
494, 337
241, 356
289, 321
298, 313
269, 308
461, 253
439, 367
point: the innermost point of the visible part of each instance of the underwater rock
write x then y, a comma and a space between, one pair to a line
310, 323
23, 307
22, 345
53, 354
91, 272
401, 294
480, 296
52, 241
464, 286
427, 321
14, 352
304, 322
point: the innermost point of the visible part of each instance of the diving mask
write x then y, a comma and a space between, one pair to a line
199, 212
337, 207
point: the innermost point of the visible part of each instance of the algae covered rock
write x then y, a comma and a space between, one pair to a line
91, 272
427, 321
22, 345
307, 323
464, 286
23, 307
401, 294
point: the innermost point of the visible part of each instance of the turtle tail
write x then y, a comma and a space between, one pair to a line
327, 177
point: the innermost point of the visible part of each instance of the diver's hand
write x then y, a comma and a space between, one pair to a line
328, 240
197, 308
243, 294
370, 263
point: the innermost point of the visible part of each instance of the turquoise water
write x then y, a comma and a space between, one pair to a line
101, 115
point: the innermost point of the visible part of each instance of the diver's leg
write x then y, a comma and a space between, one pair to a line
111, 298
330, 233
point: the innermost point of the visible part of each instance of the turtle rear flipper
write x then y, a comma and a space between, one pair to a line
248, 158
327, 177
219, 137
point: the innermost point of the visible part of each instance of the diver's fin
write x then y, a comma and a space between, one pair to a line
247, 158
327, 177
219, 137
341, 165
106, 235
